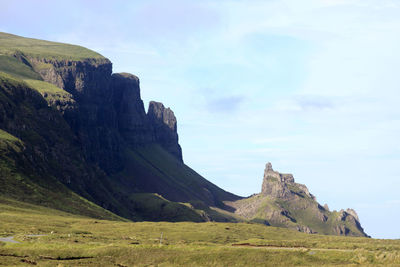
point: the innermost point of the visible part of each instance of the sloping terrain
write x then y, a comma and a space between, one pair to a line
71, 126
56, 238
26, 173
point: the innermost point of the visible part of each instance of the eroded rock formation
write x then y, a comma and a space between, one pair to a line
283, 202
164, 126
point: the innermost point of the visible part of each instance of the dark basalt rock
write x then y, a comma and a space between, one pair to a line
132, 121
109, 112
93, 119
164, 126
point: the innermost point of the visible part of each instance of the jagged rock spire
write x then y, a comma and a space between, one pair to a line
275, 183
268, 167
164, 125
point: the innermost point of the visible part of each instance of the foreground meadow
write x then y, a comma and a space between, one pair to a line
52, 238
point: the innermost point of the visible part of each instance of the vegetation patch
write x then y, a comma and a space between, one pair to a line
75, 240
54, 95
11, 44
11, 65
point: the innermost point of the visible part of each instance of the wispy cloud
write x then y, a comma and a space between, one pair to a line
309, 103
226, 104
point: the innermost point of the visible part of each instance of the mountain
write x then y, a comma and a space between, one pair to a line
71, 125
74, 136
285, 203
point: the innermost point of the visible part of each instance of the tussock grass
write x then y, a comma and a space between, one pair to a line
72, 240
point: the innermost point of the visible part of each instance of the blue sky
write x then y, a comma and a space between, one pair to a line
312, 86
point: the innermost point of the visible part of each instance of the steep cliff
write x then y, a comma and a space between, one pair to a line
40, 157
93, 120
87, 128
164, 126
132, 121
283, 202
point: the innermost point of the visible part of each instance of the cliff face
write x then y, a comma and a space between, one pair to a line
93, 119
164, 126
283, 202
87, 128
50, 151
132, 121
109, 107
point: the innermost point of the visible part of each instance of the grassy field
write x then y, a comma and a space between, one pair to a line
70, 240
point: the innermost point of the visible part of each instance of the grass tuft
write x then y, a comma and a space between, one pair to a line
73, 240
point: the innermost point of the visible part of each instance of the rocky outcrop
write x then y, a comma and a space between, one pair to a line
305, 229
50, 147
93, 119
164, 126
353, 213
277, 184
82, 78
137, 128
109, 110
132, 121
283, 202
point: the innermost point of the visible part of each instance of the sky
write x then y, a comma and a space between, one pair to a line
312, 86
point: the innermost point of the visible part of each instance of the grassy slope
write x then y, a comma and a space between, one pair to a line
13, 52
153, 207
13, 66
50, 92
9, 44
35, 188
49, 193
179, 174
10, 68
73, 241
152, 169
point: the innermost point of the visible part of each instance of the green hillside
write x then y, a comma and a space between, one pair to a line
11, 44
162, 171
19, 179
11, 65
44, 191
